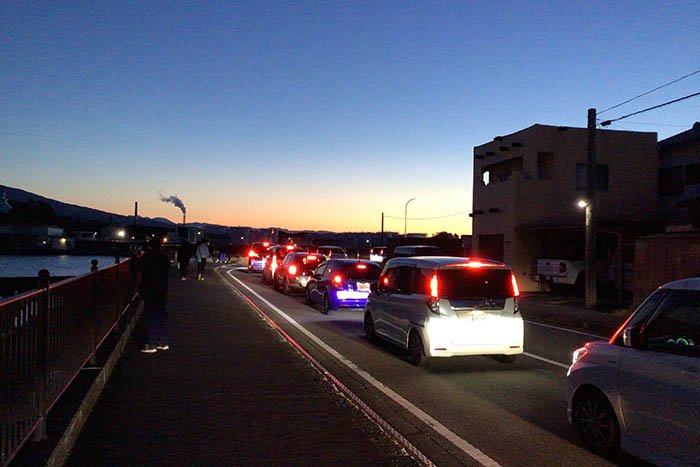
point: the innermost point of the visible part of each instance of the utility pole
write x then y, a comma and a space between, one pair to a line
591, 189
382, 243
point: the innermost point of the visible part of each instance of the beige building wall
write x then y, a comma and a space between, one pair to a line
532, 185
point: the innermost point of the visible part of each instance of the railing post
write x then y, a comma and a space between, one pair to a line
93, 317
42, 353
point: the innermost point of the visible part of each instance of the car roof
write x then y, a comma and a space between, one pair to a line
350, 261
690, 283
447, 262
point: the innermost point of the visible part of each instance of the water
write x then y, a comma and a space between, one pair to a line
58, 265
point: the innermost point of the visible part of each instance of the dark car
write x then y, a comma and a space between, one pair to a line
274, 258
256, 256
405, 251
330, 251
295, 271
342, 283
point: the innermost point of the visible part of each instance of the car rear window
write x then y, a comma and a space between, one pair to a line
309, 262
475, 283
352, 272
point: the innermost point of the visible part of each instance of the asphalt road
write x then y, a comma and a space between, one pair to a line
469, 410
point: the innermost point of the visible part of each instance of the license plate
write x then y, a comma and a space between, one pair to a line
363, 286
473, 315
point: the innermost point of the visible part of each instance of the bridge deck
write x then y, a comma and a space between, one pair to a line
230, 391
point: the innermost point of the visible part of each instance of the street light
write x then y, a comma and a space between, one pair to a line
405, 216
590, 266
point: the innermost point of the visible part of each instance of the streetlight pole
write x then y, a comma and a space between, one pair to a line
405, 216
591, 189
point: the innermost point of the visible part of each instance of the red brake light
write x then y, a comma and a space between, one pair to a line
337, 279
385, 280
292, 269
311, 258
361, 266
434, 286
266, 244
290, 247
253, 254
516, 291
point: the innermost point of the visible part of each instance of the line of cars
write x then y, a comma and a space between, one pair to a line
638, 392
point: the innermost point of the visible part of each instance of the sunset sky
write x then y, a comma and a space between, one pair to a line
316, 114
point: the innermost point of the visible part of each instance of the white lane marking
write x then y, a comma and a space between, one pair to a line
462, 444
566, 329
546, 360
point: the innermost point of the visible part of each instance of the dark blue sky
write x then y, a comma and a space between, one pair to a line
254, 112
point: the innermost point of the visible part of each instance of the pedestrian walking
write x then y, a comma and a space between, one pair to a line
202, 253
184, 255
153, 289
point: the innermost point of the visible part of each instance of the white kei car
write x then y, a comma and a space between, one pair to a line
445, 306
640, 391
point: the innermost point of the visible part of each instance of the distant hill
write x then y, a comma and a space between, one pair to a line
83, 213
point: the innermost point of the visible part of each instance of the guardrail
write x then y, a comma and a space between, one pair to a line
46, 337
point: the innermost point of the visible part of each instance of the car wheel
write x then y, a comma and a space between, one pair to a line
285, 287
596, 424
505, 358
369, 327
307, 296
326, 304
416, 352
275, 283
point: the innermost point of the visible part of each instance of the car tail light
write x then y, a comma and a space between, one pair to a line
311, 258
273, 265
433, 301
434, 286
361, 266
516, 290
253, 254
266, 244
290, 247
337, 281
562, 268
292, 270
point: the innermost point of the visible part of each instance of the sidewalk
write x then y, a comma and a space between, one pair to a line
230, 391
570, 311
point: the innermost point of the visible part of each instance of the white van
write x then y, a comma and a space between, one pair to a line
446, 306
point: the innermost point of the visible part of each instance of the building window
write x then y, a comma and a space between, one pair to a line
692, 174
671, 180
485, 177
545, 160
602, 177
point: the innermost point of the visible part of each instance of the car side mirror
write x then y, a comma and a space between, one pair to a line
632, 337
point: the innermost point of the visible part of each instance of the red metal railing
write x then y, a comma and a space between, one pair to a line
46, 337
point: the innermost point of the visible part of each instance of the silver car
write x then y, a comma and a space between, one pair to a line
446, 306
640, 391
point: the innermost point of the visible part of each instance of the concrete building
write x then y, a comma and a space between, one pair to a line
679, 179
527, 184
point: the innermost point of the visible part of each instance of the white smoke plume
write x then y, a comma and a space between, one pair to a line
174, 200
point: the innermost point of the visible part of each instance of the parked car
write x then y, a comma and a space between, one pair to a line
342, 283
640, 391
330, 251
274, 258
256, 256
405, 251
295, 271
446, 306
377, 254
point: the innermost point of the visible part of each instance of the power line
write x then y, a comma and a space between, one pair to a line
608, 122
649, 92
426, 218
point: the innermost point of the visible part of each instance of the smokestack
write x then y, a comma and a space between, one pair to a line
136, 212
184, 218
